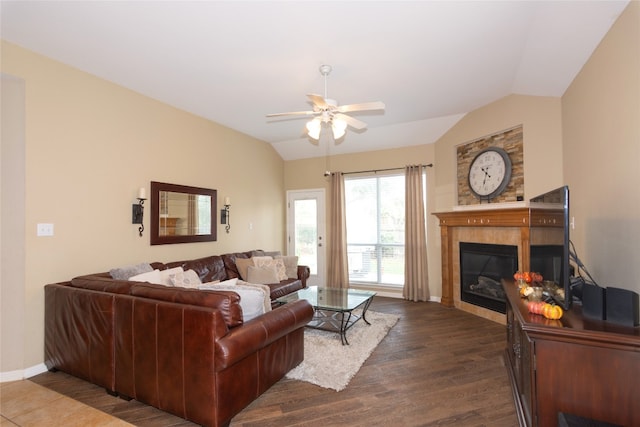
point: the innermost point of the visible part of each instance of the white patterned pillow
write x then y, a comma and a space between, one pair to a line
290, 265
166, 275
267, 261
185, 279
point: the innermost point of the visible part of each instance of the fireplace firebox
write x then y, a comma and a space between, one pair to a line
482, 266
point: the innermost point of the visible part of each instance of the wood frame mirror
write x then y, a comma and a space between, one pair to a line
182, 214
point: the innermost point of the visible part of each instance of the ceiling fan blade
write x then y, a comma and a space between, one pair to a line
293, 113
364, 106
354, 123
318, 101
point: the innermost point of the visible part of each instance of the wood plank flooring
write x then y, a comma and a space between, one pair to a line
436, 367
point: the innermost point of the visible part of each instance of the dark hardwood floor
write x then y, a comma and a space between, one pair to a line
436, 367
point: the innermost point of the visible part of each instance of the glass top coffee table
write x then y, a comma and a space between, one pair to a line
333, 307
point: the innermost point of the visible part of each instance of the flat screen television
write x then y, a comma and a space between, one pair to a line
550, 246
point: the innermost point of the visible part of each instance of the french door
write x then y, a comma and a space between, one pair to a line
305, 231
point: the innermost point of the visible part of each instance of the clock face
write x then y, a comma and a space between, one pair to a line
490, 173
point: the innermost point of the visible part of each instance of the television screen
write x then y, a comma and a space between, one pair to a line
549, 243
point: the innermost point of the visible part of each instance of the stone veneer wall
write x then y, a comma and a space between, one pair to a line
511, 141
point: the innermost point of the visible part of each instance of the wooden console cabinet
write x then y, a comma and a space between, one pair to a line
578, 366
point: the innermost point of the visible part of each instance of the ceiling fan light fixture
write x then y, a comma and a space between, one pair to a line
328, 113
313, 128
339, 128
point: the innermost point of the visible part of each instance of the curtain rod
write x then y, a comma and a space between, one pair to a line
430, 165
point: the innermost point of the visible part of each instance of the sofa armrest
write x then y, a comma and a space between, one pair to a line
260, 332
303, 274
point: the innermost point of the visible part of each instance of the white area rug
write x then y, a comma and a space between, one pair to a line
330, 364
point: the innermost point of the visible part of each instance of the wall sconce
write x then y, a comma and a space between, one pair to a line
137, 211
225, 214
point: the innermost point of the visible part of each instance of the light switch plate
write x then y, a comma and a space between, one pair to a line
45, 230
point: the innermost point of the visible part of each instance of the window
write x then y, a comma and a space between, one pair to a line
375, 229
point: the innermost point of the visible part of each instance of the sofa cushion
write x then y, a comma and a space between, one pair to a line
226, 301
230, 263
102, 282
285, 287
208, 268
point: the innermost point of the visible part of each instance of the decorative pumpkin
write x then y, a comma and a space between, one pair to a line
552, 311
526, 276
536, 307
536, 277
518, 276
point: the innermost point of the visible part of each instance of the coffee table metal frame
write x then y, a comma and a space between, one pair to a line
333, 307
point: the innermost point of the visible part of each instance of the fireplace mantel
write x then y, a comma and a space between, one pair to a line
498, 226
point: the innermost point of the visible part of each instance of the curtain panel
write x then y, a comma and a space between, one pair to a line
416, 281
338, 273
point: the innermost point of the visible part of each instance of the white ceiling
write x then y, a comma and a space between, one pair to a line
233, 62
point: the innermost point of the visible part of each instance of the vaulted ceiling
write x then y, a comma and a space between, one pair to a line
233, 62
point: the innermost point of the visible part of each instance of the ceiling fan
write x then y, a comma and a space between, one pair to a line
327, 111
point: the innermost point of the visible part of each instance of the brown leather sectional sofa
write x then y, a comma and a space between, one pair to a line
184, 351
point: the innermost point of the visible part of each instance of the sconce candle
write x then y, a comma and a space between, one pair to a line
137, 211
225, 214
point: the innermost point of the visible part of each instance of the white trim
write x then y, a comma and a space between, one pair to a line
22, 374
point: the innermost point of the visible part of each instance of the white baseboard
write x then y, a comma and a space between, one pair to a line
22, 374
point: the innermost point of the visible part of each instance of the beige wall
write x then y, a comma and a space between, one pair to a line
12, 213
601, 134
89, 146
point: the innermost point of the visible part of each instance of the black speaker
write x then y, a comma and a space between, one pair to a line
622, 307
593, 302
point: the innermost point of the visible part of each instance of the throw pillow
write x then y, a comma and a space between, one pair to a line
290, 265
242, 264
151, 277
262, 275
230, 282
266, 289
270, 262
124, 273
185, 279
166, 275
273, 254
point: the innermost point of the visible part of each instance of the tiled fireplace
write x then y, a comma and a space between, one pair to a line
492, 226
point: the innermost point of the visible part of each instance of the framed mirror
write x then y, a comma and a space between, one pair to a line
182, 214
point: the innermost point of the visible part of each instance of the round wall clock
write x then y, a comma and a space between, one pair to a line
490, 173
